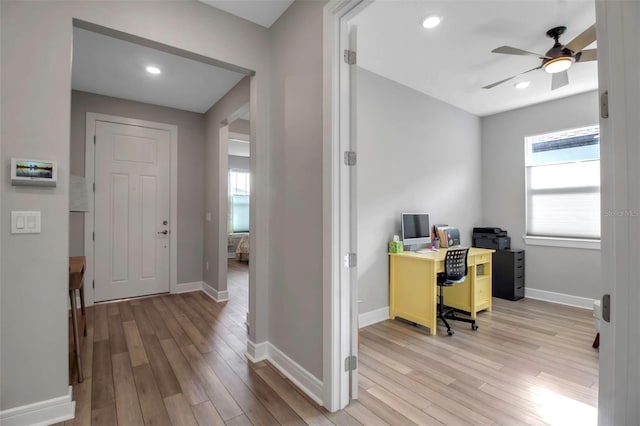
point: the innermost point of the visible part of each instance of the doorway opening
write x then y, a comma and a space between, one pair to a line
145, 100
145, 145
235, 135
427, 145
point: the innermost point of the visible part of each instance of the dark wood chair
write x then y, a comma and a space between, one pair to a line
77, 265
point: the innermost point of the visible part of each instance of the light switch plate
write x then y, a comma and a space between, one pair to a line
25, 222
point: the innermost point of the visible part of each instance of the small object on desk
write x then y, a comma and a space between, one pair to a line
425, 251
395, 247
449, 236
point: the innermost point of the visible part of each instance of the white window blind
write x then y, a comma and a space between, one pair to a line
563, 184
239, 189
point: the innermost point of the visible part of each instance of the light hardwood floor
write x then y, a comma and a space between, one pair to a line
179, 359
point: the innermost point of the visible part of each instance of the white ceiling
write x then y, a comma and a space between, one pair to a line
261, 12
112, 67
453, 61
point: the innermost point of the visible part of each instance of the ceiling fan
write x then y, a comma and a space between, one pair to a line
557, 59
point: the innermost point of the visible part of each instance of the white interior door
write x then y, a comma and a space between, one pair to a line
618, 31
353, 212
132, 211
348, 214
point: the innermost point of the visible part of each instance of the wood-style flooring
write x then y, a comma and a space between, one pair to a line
179, 359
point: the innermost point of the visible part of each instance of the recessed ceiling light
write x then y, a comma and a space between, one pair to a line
431, 21
522, 84
153, 70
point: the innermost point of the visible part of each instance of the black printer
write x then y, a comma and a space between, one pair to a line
491, 238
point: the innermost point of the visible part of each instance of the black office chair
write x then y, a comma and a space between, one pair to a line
455, 271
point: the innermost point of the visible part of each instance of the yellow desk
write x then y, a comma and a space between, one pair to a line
413, 287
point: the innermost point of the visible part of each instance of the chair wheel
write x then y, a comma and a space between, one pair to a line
474, 327
450, 332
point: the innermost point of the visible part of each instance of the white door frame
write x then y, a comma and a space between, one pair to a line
223, 201
223, 210
89, 172
336, 197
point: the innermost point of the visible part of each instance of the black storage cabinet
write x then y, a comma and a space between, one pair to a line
508, 274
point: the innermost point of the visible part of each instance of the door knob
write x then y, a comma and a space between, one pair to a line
165, 232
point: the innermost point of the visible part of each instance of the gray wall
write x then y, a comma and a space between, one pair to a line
295, 258
35, 120
563, 270
190, 220
406, 139
240, 126
215, 242
237, 162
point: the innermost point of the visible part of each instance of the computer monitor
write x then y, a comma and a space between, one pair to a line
415, 229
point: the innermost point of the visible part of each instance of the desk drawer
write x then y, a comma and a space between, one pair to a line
483, 290
482, 258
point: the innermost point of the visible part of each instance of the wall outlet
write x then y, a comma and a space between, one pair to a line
206, 265
208, 216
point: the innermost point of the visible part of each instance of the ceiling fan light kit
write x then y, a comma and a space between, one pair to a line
559, 58
555, 65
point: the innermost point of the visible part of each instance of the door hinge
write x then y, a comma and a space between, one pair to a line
604, 104
350, 158
94, 139
93, 283
349, 57
350, 260
93, 237
94, 187
350, 363
606, 307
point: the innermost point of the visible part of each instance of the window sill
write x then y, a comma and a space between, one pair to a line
562, 242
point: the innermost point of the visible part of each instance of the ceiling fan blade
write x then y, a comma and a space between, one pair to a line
587, 37
510, 78
587, 55
559, 80
508, 50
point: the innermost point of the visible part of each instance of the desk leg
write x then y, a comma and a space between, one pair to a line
76, 339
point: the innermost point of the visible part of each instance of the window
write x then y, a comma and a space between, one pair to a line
239, 189
563, 184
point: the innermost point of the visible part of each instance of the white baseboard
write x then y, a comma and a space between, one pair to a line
305, 381
560, 298
257, 352
46, 412
189, 287
217, 296
372, 317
